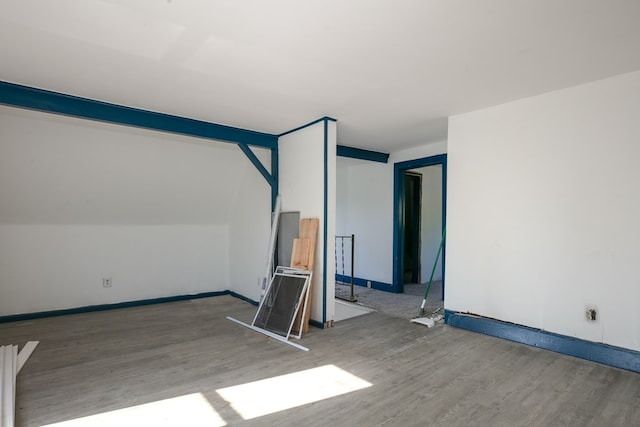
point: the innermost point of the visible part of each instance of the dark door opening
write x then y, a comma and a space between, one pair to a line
412, 216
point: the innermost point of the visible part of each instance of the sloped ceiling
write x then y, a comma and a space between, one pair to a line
390, 71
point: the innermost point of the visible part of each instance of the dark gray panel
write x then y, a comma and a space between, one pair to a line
289, 228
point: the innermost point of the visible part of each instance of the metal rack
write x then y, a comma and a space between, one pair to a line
341, 239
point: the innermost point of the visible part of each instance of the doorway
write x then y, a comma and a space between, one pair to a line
404, 232
412, 217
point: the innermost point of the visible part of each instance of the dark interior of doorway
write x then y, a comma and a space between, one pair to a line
412, 217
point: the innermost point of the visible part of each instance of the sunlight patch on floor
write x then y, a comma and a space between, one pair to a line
346, 310
188, 410
276, 394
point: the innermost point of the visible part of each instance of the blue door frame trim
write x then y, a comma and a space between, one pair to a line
359, 153
602, 353
16, 95
398, 214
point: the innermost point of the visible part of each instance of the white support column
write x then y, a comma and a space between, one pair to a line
307, 183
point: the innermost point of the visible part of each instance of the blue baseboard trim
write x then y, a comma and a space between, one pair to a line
138, 303
597, 352
316, 324
358, 281
103, 307
243, 298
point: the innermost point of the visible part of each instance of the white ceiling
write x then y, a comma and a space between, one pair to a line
390, 71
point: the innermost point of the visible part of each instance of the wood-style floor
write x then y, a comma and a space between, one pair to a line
97, 363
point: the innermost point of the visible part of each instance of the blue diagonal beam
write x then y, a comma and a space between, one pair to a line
258, 164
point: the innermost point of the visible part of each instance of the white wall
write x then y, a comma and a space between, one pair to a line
365, 208
301, 185
249, 226
431, 221
543, 208
82, 200
419, 152
48, 267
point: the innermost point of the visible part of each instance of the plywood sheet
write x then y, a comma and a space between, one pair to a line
301, 253
308, 230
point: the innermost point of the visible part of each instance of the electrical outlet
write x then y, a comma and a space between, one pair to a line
369, 284
592, 314
106, 282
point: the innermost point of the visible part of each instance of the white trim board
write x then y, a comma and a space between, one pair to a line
11, 362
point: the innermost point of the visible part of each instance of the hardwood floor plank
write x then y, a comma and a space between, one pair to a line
92, 363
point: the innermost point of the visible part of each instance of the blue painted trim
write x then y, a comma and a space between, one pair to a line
242, 297
257, 163
53, 102
444, 223
358, 281
103, 307
322, 119
275, 172
437, 159
597, 352
398, 226
138, 303
316, 324
398, 212
359, 153
326, 213
325, 120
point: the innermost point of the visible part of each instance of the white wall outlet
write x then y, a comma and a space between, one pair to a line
368, 283
106, 282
